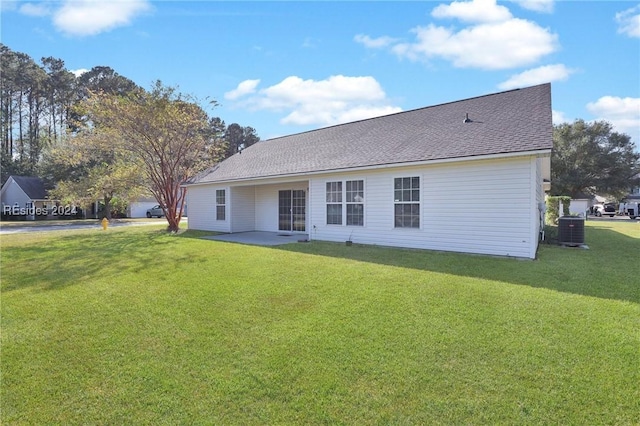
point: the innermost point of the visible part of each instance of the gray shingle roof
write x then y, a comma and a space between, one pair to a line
502, 123
32, 186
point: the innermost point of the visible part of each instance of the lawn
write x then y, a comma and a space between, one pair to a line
134, 326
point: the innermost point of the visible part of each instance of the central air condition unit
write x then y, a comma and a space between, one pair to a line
571, 231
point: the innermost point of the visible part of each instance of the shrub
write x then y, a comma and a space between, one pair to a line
550, 234
551, 218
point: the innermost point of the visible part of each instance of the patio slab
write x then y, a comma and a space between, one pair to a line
259, 238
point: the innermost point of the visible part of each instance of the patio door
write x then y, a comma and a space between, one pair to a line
292, 206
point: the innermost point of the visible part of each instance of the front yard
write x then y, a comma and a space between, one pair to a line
134, 326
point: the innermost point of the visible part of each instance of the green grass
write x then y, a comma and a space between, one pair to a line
134, 326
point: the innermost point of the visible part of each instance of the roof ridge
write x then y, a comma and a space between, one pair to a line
406, 112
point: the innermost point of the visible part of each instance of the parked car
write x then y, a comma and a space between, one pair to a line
155, 211
606, 209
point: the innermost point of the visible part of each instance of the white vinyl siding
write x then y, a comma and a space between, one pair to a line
202, 209
266, 204
139, 208
470, 206
242, 208
13, 195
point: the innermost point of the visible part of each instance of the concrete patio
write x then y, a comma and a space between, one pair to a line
259, 238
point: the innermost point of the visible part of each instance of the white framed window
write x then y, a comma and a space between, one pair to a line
334, 203
355, 202
406, 200
221, 204
345, 202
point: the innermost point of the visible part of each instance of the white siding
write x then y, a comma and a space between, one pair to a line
475, 206
267, 204
242, 212
483, 206
249, 208
202, 209
12, 194
139, 208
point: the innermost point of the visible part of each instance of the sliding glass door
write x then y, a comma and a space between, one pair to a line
292, 210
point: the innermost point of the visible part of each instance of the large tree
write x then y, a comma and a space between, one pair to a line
239, 138
167, 132
590, 158
88, 168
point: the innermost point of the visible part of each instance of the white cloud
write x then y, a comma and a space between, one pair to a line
558, 117
473, 11
545, 6
337, 99
8, 6
544, 74
494, 40
310, 42
629, 22
91, 17
79, 71
623, 113
244, 88
32, 9
374, 43
503, 45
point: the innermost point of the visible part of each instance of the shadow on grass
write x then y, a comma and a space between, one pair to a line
61, 261
608, 269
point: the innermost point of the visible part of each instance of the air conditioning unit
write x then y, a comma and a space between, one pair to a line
571, 231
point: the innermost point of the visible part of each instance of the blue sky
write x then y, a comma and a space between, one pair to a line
287, 67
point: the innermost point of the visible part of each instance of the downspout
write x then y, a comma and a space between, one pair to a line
310, 210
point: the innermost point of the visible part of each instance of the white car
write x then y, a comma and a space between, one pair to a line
606, 209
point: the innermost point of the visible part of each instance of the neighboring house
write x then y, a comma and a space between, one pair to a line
24, 196
579, 206
465, 176
139, 207
634, 193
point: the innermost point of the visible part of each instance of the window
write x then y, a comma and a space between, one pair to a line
355, 202
220, 204
406, 199
334, 203
349, 203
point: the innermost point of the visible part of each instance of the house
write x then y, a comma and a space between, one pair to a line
634, 192
139, 207
465, 176
24, 196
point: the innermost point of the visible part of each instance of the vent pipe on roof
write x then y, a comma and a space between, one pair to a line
466, 119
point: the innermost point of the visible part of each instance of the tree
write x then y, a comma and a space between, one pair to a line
89, 168
99, 79
239, 138
590, 158
167, 132
61, 92
22, 102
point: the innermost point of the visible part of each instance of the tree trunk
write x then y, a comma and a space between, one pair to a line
107, 207
174, 210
